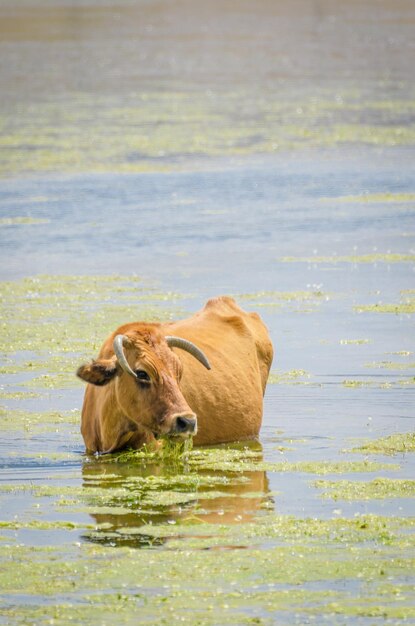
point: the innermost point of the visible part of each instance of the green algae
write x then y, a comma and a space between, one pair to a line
43, 525
390, 384
377, 198
91, 583
363, 529
55, 364
390, 365
380, 488
73, 314
148, 132
396, 443
58, 380
361, 384
355, 342
243, 459
302, 300
354, 258
28, 421
231, 460
402, 353
285, 296
22, 221
370, 608
292, 377
18, 395
403, 308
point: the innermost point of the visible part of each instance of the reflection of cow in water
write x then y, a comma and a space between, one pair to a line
239, 501
139, 388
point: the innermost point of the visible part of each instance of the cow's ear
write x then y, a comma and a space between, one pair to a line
99, 372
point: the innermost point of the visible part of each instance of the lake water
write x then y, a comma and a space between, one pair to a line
154, 155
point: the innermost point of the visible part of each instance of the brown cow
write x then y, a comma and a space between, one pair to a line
140, 388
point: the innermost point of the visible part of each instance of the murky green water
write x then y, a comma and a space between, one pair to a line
152, 156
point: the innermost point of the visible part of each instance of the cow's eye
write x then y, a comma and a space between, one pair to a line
142, 376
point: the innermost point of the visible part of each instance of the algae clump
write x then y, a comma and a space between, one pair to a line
392, 444
355, 258
380, 488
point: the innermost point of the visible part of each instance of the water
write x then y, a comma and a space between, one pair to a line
189, 151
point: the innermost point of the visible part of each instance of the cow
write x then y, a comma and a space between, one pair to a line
202, 377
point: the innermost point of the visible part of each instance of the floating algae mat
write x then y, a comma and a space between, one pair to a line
162, 132
74, 313
302, 570
392, 444
376, 489
261, 532
356, 258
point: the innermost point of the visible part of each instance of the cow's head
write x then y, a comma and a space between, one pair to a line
145, 373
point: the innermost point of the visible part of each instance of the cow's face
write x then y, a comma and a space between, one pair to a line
145, 375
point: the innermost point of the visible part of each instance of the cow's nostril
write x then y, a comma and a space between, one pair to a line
185, 424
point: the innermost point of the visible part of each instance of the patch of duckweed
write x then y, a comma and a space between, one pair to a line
49, 457
355, 342
405, 306
22, 221
239, 460
43, 525
292, 377
358, 384
285, 296
16, 420
402, 308
150, 132
402, 353
380, 488
354, 258
354, 531
375, 198
231, 460
392, 444
58, 380
301, 301
17, 395
390, 365
370, 609
73, 314
54, 364
93, 583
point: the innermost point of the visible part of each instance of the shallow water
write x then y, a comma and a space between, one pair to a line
157, 155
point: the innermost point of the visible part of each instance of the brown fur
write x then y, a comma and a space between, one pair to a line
227, 399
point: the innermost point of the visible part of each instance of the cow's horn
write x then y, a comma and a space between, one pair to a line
119, 341
184, 344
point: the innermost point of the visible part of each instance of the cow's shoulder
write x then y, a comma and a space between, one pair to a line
224, 311
227, 309
222, 303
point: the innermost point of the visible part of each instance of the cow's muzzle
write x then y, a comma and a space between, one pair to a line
184, 425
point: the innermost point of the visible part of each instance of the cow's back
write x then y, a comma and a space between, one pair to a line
228, 399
